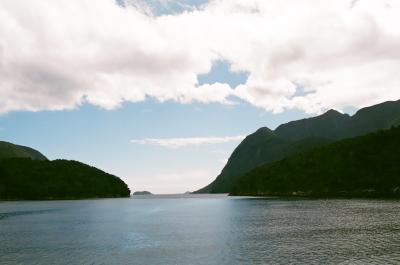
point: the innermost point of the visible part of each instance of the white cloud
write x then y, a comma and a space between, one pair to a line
185, 142
60, 54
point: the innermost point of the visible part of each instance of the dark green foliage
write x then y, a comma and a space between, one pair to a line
9, 150
335, 125
381, 116
258, 148
266, 146
331, 124
363, 166
24, 178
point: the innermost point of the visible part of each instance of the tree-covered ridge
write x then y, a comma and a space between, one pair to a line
335, 125
363, 166
258, 148
266, 145
24, 178
9, 150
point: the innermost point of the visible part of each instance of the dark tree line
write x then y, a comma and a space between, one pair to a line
24, 178
363, 166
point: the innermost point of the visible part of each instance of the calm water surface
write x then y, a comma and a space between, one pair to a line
200, 230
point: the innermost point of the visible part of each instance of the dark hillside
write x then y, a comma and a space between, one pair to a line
363, 166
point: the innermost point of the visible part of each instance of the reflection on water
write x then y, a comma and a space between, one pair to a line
11, 214
200, 230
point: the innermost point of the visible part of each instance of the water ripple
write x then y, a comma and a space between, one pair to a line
206, 230
5, 215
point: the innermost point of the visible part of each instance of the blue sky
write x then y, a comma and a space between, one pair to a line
102, 137
160, 92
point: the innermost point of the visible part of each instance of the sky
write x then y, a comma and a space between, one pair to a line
160, 92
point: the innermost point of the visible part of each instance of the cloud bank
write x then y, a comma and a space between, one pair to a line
174, 143
305, 54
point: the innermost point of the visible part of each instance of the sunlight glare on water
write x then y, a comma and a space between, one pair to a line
202, 229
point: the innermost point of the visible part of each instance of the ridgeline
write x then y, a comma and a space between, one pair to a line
266, 146
9, 150
25, 174
364, 166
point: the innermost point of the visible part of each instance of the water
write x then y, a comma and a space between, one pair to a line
200, 230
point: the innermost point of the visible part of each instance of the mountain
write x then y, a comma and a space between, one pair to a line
366, 165
335, 125
27, 179
27, 174
370, 119
258, 148
9, 150
331, 124
266, 145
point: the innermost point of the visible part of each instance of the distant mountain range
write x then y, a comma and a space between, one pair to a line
364, 166
266, 146
27, 174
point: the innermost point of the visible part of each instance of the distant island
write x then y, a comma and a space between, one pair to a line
142, 193
26, 174
266, 146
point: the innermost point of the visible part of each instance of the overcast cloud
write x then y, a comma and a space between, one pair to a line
57, 55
